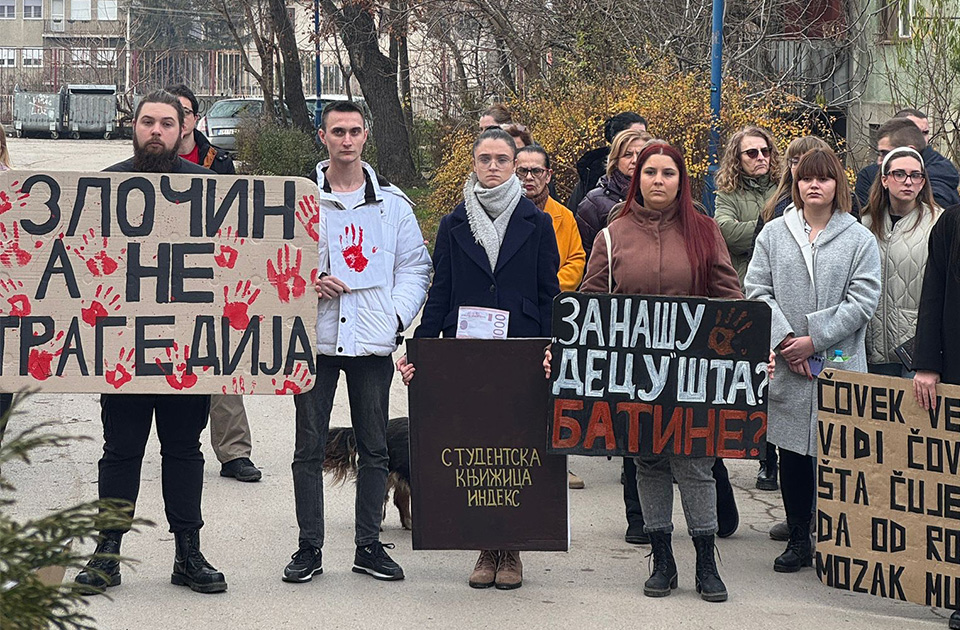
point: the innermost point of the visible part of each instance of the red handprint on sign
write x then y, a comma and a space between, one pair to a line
351, 245
100, 263
10, 251
39, 363
309, 216
296, 382
239, 387
236, 311
284, 277
123, 369
19, 302
7, 199
226, 256
179, 378
97, 310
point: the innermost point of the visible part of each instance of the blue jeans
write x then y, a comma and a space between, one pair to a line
368, 389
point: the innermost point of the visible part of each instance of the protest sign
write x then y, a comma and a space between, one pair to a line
888, 497
481, 477
355, 242
150, 283
652, 375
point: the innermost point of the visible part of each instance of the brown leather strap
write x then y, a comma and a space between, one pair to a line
211, 156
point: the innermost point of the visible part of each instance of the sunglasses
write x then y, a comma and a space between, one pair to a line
753, 153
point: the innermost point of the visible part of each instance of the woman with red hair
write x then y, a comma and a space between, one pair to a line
639, 253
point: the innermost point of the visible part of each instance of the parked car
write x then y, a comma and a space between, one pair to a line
221, 122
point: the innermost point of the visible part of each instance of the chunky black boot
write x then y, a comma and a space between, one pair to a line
728, 517
191, 569
709, 584
103, 569
664, 575
767, 476
799, 552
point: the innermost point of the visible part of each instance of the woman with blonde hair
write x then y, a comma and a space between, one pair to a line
594, 210
901, 214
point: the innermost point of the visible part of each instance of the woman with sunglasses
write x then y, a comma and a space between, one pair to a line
819, 270
901, 214
495, 250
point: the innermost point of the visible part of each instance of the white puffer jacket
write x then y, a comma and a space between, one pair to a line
903, 259
365, 321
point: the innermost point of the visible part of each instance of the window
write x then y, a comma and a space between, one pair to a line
8, 57
908, 9
106, 57
332, 80
107, 10
80, 56
8, 9
79, 10
32, 58
33, 9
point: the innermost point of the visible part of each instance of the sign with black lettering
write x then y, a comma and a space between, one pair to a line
888, 489
652, 375
150, 283
480, 474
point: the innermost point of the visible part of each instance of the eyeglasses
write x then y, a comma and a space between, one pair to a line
901, 176
188, 112
753, 153
536, 171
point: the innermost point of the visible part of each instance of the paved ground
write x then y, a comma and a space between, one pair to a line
251, 531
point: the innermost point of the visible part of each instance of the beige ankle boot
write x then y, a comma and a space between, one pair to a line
510, 570
485, 572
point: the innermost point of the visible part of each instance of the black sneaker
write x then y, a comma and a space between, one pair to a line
373, 560
242, 469
306, 563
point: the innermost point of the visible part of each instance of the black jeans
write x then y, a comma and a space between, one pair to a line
368, 389
797, 485
126, 426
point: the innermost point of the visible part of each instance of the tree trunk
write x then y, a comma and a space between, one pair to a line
378, 80
292, 71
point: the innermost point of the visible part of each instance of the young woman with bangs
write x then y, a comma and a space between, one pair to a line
639, 253
819, 270
901, 214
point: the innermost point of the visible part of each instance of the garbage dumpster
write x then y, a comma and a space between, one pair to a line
37, 112
91, 109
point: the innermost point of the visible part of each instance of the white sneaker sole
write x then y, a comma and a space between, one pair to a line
377, 575
305, 578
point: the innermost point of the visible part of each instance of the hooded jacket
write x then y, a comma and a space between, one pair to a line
737, 213
594, 210
943, 175
828, 291
367, 321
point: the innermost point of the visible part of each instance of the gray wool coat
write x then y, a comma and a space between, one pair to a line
828, 291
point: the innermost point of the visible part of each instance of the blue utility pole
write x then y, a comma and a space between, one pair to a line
716, 76
316, 32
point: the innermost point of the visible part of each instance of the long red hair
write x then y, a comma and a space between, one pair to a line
699, 233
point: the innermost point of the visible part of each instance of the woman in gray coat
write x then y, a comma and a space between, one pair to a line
819, 270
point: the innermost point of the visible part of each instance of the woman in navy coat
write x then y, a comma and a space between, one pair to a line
495, 250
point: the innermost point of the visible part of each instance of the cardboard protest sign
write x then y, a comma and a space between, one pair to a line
652, 375
480, 474
355, 240
150, 283
888, 495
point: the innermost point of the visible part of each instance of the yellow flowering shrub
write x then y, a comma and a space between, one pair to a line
568, 121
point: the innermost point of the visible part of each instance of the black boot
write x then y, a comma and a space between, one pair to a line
664, 575
955, 620
191, 569
631, 501
709, 584
799, 552
103, 569
767, 476
728, 518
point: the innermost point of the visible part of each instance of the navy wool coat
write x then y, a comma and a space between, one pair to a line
524, 282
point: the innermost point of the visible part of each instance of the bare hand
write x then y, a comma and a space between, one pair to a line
329, 287
797, 349
772, 365
547, 358
406, 369
925, 388
802, 368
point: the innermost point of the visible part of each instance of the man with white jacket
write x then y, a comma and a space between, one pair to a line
372, 281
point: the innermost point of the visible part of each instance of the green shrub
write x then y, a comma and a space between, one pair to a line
265, 148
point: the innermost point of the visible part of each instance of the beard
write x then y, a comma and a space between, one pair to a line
154, 157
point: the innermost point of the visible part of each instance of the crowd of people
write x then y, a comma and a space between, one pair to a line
847, 273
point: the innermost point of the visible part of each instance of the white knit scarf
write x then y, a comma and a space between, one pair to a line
489, 211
